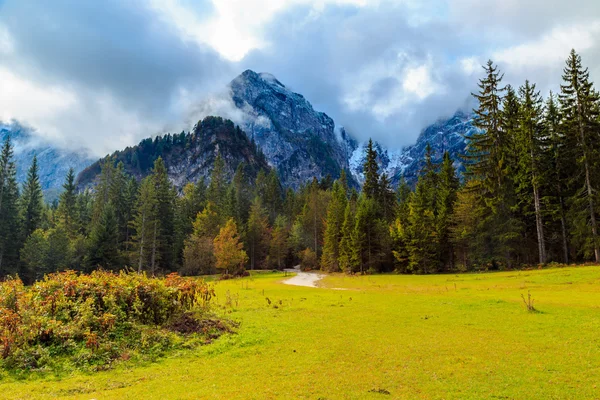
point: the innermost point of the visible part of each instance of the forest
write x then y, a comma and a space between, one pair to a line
528, 197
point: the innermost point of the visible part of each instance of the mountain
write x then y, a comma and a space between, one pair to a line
444, 135
188, 156
298, 141
53, 163
281, 130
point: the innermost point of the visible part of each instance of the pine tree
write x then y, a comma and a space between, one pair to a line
447, 193
530, 145
371, 172
557, 170
218, 185
144, 225
422, 242
258, 234
32, 201
333, 228
579, 107
488, 167
386, 198
400, 225
103, 250
67, 206
278, 245
366, 246
347, 262
165, 204
9, 212
273, 199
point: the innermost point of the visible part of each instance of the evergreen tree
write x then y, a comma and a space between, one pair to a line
258, 234
367, 245
447, 193
9, 212
488, 166
421, 236
557, 171
165, 205
579, 108
67, 206
278, 245
387, 198
32, 201
530, 146
333, 228
145, 225
217, 188
273, 198
347, 259
103, 250
371, 172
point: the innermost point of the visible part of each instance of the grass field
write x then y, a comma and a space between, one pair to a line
387, 336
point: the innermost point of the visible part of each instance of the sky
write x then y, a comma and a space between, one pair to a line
101, 75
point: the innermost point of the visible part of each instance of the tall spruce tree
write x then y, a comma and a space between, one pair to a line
579, 108
103, 250
217, 188
488, 167
333, 228
165, 204
448, 185
531, 146
32, 201
145, 224
258, 234
9, 211
557, 171
67, 206
371, 172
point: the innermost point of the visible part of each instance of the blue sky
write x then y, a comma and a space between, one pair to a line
102, 75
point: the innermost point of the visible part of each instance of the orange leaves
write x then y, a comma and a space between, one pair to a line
86, 308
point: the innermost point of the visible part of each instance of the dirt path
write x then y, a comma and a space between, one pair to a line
308, 279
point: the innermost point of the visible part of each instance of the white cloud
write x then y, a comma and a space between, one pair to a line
418, 81
234, 27
552, 48
25, 101
57, 114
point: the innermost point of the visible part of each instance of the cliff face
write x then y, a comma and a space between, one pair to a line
297, 140
188, 156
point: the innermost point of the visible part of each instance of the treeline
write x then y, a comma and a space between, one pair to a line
529, 196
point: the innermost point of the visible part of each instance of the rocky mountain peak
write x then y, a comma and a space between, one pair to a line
297, 140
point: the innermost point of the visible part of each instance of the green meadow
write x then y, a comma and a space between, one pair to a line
466, 336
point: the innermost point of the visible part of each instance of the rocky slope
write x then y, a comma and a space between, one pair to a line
297, 140
188, 156
445, 135
53, 162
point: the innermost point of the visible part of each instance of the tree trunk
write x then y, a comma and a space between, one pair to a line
563, 225
588, 182
142, 243
539, 225
153, 262
590, 194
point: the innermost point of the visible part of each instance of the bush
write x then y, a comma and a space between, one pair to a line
308, 260
93, 319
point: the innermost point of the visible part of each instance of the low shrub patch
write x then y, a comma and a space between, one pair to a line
71, 320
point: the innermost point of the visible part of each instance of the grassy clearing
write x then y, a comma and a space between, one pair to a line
440, 336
